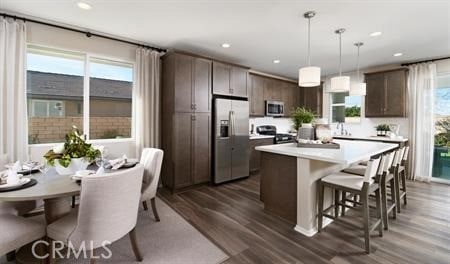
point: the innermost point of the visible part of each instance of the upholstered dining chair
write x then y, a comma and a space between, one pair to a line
17, 231
16, 208
152, 159
107, 211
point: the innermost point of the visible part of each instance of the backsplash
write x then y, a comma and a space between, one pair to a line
284, 125
365, 128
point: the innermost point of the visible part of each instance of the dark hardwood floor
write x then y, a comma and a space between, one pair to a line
232, 217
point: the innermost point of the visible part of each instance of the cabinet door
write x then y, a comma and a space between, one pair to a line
286, 97
202, 148
255, 156
272, 90
202, 85
182, 147
395, 94
257, 106
375, 95
239, 78
221, 78
183, 83
312, 98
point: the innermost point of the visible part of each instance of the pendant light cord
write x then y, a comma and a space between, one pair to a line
357, 66
309, 41
340, 54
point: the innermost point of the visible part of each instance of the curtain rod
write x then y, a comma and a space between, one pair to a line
87, 33
430, 60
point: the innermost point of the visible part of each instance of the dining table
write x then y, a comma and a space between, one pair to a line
55, 190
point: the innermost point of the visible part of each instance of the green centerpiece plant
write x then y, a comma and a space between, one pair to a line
301, 116
74, 147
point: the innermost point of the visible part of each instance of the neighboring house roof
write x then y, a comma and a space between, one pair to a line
64, 86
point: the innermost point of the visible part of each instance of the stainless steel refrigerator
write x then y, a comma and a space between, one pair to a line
231, 153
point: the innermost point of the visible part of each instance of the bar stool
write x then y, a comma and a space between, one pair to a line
385, 177
400, 177
362, 186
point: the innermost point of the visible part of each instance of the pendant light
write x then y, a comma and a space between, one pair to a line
340, 83
309, 76
358, 88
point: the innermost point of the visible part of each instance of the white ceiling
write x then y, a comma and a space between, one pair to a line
261, 31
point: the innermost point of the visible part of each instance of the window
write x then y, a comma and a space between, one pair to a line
345, 108
441, 157
46, 108
62, 92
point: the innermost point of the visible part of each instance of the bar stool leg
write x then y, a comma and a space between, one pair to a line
344, 197
379, 212
393, 197
384, 204
397, 189
336, 203
320, 216
365, 204
404, 185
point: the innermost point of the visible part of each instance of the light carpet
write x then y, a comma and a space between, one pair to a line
171, 241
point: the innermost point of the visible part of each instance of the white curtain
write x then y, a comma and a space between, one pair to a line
147, 99
421, 83
13, 98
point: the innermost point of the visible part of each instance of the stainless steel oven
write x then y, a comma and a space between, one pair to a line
274, 108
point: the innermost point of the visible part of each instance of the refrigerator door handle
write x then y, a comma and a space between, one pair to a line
233, 123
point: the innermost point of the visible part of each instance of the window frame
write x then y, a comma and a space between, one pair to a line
86, 92
330, 109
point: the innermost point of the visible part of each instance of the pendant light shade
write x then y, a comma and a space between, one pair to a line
309, 76
340, 83
358, 88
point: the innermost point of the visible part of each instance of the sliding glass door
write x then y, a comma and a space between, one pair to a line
441, 159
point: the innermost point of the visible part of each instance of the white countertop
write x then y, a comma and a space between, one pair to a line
256, 136
350, 151
373, 138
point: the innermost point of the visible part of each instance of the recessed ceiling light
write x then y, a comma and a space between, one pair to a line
398, 54
375, 34
226, 45
276, 61
84, 5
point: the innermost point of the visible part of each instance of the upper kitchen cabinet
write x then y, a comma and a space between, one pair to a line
256, 98
386, 93
312, 98
187, 83
272, 89
290, 93
230, 80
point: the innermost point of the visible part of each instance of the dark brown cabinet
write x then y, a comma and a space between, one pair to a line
386, 94
229, 80
256, 98
312, 98
264, 89
186, 120
255, 156
191, 82
291, 97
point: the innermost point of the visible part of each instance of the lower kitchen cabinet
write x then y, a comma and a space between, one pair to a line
255, 156
189, 155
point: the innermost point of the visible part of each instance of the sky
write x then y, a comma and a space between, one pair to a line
43, 63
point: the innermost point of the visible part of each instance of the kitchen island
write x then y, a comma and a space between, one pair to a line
289, 177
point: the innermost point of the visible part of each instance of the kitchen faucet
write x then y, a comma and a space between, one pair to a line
341, 126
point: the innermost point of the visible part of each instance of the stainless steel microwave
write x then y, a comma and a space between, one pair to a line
274, 108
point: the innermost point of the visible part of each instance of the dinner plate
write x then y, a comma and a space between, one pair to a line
129, 164
83, 173
21, 182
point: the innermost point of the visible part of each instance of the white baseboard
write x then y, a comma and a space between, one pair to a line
311, 232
